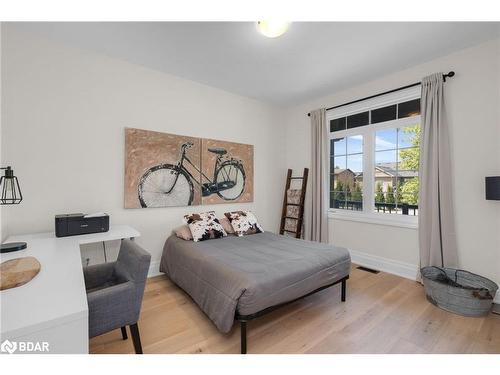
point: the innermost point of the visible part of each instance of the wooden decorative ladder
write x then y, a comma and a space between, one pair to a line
292, 215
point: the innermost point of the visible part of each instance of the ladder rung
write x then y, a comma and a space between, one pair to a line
289, 231
293, 204
290, 217
296, 178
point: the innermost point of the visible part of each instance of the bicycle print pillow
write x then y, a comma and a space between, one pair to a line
244, 223
204, 226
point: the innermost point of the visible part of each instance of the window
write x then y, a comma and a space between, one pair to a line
346, 166
396, 169
374, 156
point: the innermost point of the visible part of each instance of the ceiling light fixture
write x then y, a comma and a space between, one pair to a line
272, 29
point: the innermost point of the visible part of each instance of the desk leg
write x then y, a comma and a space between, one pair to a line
104, 250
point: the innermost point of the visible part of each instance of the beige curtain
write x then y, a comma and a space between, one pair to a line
319, 177
437, 239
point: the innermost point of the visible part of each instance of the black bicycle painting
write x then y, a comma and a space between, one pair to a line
167, 184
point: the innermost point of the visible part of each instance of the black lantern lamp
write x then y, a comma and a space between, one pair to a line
492, 185
11, 194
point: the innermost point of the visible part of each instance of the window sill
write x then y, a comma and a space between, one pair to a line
409, 222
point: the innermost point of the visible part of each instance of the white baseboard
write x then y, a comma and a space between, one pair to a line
154, 269
403, 269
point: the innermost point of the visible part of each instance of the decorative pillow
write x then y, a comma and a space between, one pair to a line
244, 222
224, 221
204, 226
183, 232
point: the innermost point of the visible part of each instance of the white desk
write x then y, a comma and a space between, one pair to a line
53, 306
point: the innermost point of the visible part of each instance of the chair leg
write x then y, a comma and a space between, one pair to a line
134, 330
243, 339
124, 333
343, 290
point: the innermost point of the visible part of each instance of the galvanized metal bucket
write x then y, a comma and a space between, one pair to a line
458, 291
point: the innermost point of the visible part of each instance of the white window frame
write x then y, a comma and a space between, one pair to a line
367, 215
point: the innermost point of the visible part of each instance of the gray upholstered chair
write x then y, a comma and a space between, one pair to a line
115, 290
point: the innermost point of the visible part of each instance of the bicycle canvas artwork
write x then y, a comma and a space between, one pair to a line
231, 165
165, 170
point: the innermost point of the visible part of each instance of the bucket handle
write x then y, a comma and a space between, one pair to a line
458, 285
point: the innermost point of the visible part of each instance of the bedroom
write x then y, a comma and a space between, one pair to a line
94, 114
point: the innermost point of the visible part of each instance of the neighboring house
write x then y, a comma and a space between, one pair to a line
386, 174
345, 175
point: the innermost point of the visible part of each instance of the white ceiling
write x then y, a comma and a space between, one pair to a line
310, 60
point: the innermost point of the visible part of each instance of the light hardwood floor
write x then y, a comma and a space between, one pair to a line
383, 314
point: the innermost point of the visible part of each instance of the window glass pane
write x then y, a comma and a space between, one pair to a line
355, 144
408, 181
386, 139
408, 195
408, 159
338, 146
396, 172
385, 175
338, 190
355, 165
409, 109
409, 136
359, 119
355, 197
386, 159
342, 178
353, 182
386, 196
339, 162
346, 174
337, 199
337, 124
384, 114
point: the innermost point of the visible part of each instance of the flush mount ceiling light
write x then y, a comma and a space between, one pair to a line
272, 29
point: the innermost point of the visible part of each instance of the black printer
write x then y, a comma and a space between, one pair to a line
75, 224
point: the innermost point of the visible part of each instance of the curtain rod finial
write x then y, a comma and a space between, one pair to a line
449, 75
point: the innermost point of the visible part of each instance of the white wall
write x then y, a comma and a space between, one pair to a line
64, 114
472, 99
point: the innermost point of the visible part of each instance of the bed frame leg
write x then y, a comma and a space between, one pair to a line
243, 330
343, 289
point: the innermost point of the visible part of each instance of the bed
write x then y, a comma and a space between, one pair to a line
241, 278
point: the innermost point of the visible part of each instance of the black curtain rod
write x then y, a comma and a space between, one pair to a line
449, 75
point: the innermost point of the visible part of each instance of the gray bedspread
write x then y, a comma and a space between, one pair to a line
248, 274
